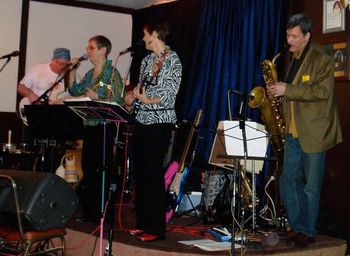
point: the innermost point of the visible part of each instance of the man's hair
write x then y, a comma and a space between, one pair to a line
301, 20
161, 28
102, 41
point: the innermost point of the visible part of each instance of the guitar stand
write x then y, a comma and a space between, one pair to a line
189, 211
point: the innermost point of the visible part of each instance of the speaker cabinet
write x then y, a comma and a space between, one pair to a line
46, 200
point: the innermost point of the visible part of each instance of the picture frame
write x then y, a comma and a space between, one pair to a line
333, 16
340, 53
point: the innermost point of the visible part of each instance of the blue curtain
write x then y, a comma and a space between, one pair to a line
234, 37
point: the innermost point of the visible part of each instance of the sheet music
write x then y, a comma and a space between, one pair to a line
257, 140
78, 99
210, 245
113, 104
228, 142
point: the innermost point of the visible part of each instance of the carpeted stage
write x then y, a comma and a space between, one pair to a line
81, 241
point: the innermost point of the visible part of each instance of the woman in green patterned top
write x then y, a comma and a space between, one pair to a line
103, 81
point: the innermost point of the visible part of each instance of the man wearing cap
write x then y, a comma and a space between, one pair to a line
42, 76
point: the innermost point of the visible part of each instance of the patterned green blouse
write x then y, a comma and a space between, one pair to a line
108, 84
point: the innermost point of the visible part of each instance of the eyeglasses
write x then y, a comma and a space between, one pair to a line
90, 48
62, 63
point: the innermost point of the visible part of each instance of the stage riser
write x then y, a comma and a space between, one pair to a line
75, 238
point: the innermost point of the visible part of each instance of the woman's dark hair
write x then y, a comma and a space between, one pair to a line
301, 20
102, 41
161, 28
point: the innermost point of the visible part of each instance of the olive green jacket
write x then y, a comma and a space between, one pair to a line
312, 92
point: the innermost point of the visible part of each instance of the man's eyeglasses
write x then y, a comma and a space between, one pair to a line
62, 63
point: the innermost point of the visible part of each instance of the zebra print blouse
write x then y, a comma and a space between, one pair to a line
165, 85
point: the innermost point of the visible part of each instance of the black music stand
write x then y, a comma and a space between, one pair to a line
52, 122
231, 145
94, 113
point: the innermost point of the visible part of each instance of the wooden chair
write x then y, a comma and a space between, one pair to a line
17, 241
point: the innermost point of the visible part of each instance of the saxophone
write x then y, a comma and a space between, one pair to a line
246, 191
270, 108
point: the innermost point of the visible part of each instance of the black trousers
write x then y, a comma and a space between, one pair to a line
150, 147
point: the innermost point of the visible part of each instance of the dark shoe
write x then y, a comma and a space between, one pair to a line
136, 232
303, 240
149, 238
291, 235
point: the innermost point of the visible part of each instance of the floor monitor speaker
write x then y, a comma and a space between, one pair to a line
46, 200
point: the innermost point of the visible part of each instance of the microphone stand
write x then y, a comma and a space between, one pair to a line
243, 104
127, 72
112, 189
7, 61
45, 96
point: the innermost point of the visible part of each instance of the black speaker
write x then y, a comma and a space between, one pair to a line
46, 200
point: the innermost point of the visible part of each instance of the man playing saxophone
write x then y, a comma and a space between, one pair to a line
312, 127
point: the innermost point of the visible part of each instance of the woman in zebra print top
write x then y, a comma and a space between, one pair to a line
159, 82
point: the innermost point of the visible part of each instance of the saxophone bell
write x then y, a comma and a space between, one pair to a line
270, 107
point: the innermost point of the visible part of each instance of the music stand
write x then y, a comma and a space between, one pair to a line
228, 148
94, 113
52, 122
226, 141
118, 111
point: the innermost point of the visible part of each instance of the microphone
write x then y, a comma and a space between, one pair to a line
239, 93
242, 94
12, 54
133, 47
82, 58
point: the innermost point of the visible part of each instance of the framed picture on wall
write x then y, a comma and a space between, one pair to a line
333, 16
340, 53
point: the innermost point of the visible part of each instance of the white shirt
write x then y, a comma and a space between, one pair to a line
40, 77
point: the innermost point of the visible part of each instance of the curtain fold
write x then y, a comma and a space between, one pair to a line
234, 37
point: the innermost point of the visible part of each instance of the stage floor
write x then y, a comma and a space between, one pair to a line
82, 239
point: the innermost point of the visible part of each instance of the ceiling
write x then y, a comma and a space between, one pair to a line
131, 4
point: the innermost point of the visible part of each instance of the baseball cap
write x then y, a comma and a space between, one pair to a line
61, 53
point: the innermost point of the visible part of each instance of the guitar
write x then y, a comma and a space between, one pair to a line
137, 103
24, 101
147, 80
57, 96
177, 186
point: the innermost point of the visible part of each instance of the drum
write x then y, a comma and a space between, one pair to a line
8, 147
19, 157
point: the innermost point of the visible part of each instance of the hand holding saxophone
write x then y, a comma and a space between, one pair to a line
276, 89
